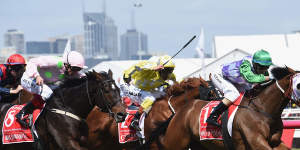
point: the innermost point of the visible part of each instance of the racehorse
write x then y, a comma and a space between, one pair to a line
103, 130
75, 98
22, 97
257, 124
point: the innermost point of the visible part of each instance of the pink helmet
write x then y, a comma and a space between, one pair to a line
75, 59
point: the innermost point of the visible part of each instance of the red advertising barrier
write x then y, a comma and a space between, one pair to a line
289, 131
291, 124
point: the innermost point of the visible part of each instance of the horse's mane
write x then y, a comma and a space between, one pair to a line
72, 82
280, 72
175, 89
277, 72
179, 88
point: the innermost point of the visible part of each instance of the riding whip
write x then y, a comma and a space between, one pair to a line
181, 49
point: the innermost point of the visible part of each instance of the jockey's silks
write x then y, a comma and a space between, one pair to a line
241, 72
144, 77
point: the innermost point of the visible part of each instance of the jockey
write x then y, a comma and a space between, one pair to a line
44, 74
237, 77
145, 77
11, 72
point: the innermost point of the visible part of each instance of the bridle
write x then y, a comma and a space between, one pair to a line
287, 95
108, 106
289, 91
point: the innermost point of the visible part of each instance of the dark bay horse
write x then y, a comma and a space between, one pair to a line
75, 96
103, 130
257, 125
22, 97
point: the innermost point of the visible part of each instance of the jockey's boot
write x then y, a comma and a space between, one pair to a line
27, 109
37, 102
135, 122
215, 114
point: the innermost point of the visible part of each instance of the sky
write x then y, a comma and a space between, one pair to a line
169, 24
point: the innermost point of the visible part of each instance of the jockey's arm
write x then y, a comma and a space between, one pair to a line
173, 77
41, 62
4, 90
143, 70
249, 76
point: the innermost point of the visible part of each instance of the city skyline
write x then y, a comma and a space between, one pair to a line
169, 24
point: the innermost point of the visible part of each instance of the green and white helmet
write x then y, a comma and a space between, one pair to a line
262, 57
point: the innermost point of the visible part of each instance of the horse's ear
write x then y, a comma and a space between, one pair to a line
97, 75
110, 74
203, 82
290, 69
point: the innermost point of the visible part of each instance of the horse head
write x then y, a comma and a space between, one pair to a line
290, 80
195, 87
275, 95
110, 100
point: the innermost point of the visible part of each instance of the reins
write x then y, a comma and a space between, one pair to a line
287, 94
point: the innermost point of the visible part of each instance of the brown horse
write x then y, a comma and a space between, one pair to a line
77, 97
257, 124
103, 130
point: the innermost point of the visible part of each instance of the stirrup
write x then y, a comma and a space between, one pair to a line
142, 141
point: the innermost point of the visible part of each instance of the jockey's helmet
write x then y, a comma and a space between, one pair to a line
262, 58
16, 59
166, 58
75, 59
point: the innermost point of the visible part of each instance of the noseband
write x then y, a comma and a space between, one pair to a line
288, 92
108, 106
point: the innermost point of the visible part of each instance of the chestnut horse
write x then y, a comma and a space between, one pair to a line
257, 124
77, 97
103, 130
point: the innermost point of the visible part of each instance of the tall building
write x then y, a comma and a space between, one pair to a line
14, 38
38, 47
133, 44
77, 43
59, 45
100, 35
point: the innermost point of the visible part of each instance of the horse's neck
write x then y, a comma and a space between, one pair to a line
182, 99
271, 101
74, 100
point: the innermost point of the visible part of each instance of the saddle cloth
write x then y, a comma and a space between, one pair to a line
125, 133
12, 131
209, 132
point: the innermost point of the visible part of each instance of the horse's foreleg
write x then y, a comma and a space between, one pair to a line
177, 136
74, 145
258, 141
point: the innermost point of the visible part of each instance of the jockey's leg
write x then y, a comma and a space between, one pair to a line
37, 102
230, 96
135, 120
41, 94
145, 107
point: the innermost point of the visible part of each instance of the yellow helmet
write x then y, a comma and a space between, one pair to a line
164, 59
